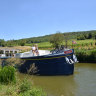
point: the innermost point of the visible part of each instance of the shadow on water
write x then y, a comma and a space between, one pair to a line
82, 83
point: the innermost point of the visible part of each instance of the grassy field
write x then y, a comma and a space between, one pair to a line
86, 44
80, 44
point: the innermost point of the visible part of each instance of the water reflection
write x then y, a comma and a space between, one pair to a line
86, 79
57, 85
82, 83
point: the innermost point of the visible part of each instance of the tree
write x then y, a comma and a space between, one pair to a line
94, 37
81, 37
22, 42
89, 35
57, 39
9, 43
2, 42
66, 38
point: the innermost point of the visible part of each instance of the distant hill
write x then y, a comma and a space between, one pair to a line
46, 38
81, 35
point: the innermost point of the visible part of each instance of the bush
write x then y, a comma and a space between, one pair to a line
7, 75
16, 62
92, 56
25, 86
37, 92
26, 90
87, 56
33, 92
0, 62
81, 55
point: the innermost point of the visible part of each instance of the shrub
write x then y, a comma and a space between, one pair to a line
34, 92
25, 86
92, 56
16, 62
37, 92
88, 56
7, 75
0, 62
27, 90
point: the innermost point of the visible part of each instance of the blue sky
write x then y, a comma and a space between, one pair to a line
29, 18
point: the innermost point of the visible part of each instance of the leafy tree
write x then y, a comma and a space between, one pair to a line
86, 36
22, 42
66, 38
89, 35
57, 39
82, 37
2, 42
9, 43
94, 35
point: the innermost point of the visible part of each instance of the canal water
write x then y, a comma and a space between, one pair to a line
81, 83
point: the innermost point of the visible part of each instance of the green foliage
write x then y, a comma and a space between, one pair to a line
56, 40
82, 37
85, 35
2, 42
22, 42
89, 36
7, 75
29, 41
37, 92
0, 62
87, 56
33, 92
26, 89
25, 86
94, 35
15, 62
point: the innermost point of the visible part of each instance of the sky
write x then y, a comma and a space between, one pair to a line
31, 18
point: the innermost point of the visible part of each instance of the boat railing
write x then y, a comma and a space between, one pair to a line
30, 54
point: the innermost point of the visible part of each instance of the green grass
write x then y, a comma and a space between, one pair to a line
87, 56
7, 75
43, 44
20, 88
14, 90
79, 43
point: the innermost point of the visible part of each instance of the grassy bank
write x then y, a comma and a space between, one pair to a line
11, 85
85, 44
21, 88
86, 56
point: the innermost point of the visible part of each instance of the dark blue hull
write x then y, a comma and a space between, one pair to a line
49, 64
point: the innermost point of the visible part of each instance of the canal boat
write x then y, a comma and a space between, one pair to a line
57, 62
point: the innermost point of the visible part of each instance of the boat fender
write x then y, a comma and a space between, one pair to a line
71, 61
67, 60
75, 58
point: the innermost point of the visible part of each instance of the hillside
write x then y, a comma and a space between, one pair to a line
81, 35
46, 38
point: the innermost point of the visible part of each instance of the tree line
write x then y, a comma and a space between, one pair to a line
86, 36
68, 35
